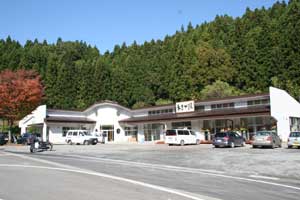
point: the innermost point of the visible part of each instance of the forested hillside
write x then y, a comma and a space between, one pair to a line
250, 53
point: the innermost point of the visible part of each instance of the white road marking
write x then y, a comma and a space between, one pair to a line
264, 177
41, 161
140, 164
143, 184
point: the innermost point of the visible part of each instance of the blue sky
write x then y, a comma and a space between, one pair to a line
106, 23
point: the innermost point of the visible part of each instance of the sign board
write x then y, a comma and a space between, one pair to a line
186, 106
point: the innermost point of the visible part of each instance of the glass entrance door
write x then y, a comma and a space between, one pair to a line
152, 132
108, 130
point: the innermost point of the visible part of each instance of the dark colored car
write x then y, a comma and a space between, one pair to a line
26, 138
228, 139
3, 138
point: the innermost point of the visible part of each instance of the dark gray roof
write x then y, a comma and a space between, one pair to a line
69, 120
230, 112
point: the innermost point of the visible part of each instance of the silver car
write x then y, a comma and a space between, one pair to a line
266, 139
294, 140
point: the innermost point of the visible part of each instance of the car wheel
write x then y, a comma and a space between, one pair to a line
170, 144
289, 146
273, 145
86, 142
182, 143
279, 146
254, 146
70, 142
232, 145
243, 144
216, 146
197, 142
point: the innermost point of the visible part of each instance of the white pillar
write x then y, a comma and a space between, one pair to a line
45, 132
141, 136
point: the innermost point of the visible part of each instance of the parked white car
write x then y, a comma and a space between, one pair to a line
294, 140
80, 137
181, 137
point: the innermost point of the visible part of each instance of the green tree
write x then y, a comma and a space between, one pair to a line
219, 89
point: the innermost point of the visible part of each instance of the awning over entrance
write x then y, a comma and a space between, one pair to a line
69, 120
224, 113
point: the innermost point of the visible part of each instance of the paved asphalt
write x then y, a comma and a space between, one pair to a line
72, 174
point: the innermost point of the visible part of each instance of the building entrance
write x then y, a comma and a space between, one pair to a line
108, 130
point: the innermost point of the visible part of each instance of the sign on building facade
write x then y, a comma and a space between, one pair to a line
185, 106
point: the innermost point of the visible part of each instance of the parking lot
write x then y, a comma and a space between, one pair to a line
245, 161
156, 171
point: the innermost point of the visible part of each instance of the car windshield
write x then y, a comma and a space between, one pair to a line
170, 133
221, 134
26, 134
295, 134
263, 133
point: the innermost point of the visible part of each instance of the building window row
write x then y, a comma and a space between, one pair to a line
199, 108
222, 106
258, 102
159, 112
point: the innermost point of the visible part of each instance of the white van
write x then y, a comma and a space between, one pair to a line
80, 137
181, 137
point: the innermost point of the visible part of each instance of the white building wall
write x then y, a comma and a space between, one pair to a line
55, 134
197, 126
110, 115
36, 117
283, 106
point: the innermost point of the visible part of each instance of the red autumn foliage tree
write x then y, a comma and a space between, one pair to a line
20, 92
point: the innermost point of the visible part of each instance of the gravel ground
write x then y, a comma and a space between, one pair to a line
280, 162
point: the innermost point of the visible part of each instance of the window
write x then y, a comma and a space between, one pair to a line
81, 134
221, 134
180, 132
152, 131
222, 106
231, 134
178, 125
170, 133
186, 132
295, 134
294, 124
200, 108
131, 131
75, 133
65, 130
258, 102
260, 133
236, 135
158, 112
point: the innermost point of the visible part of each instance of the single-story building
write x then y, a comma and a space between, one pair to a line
247, 114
